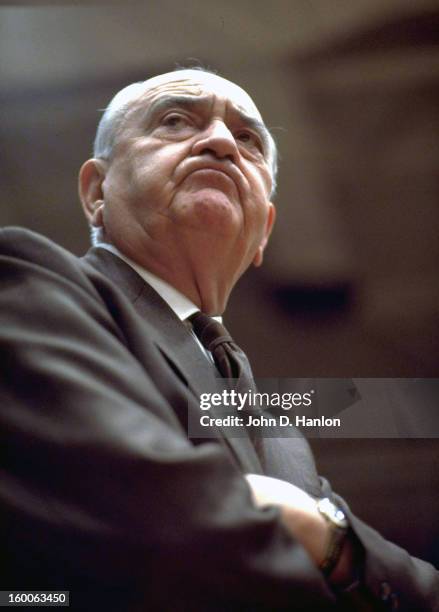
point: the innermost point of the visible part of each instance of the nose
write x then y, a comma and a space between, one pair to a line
217, 140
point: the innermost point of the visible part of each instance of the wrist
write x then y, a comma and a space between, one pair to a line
309, 527
343, 573
337, 531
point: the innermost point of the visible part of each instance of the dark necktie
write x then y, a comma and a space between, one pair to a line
230, 360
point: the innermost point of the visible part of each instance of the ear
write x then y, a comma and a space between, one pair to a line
91, 177
258, 258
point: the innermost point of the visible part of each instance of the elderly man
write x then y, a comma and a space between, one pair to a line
102, 492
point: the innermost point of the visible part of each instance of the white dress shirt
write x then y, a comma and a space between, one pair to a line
180, 304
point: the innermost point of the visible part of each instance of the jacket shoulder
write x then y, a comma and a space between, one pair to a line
21, 245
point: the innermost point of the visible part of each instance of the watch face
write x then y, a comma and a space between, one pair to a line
332, 513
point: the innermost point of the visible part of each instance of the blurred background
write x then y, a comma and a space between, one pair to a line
350, 89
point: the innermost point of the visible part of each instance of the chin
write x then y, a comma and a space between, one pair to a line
210, 207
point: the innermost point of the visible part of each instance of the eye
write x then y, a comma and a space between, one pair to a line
249, 139
176, 121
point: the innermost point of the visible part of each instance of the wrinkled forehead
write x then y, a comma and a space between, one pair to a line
198, 83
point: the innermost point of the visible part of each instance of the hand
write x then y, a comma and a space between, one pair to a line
300, 516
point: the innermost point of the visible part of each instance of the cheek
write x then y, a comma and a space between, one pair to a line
153, 172
259, 179
259, 219
259, 196
136, 179
265, 182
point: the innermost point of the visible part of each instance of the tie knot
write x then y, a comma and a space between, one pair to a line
210, 332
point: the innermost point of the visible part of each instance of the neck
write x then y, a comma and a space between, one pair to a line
207, 286
206, 279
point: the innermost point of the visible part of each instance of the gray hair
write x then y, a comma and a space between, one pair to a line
111, 122
108, 128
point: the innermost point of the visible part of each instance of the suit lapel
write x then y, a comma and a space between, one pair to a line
173, 339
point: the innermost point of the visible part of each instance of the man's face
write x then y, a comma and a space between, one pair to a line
190, 168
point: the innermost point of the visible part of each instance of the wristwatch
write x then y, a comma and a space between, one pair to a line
338, 528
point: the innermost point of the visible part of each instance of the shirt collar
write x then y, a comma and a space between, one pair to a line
180, 304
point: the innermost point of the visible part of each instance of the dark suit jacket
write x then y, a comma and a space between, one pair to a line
102, 493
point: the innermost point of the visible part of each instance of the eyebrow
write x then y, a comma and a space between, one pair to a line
194, 102
168, 101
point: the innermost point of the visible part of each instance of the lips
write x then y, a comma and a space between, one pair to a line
218, 171
211, 178
213, 171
